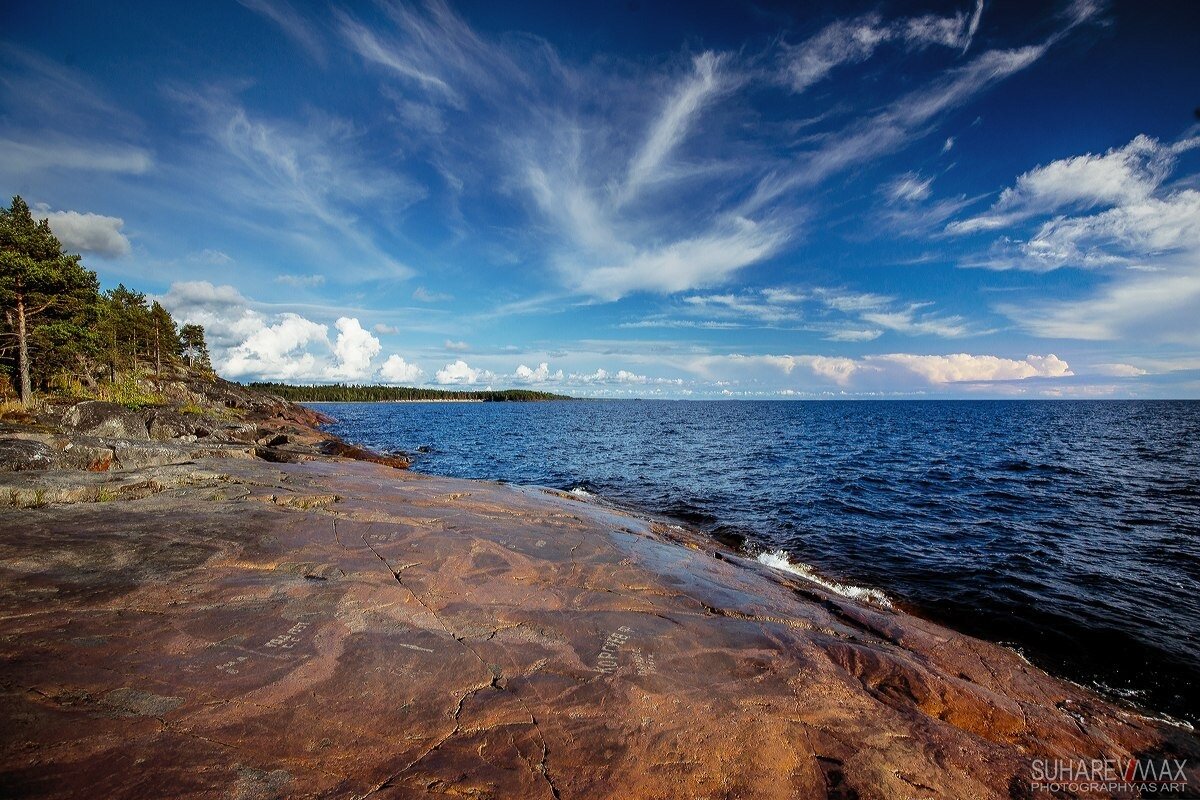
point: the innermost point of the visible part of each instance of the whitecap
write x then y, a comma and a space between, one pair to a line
780, 560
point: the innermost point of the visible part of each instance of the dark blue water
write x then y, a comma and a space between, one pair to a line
1068, 529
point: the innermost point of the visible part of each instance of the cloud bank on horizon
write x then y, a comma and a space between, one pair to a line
888, 200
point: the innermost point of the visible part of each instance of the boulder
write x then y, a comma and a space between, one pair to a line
19, 455
91, 455
165, 424
96, 418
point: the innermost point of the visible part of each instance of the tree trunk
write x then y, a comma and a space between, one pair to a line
23, 353
157, 354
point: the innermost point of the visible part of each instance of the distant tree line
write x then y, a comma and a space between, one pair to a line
58, 326
380, 394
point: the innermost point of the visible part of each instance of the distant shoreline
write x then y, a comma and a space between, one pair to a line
387, 402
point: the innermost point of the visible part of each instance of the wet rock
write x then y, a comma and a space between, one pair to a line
340, 449
17, 455
338, 629
96, 418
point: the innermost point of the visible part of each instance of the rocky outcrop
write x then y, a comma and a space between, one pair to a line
96, 418
217, 419
238, 628
18, 455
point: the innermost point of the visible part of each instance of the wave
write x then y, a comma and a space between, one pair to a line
780, 560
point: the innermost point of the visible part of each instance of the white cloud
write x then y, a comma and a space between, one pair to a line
838, 370
396, 370
306, 184
423, 295
1124, 177
354, 349
1114, 212
43, 153
910, 321
854, 41
963, 367
248, 343
278, 351
889, 371
683, 264
300, 281
909, 188
87, 232
458, 347
853, 335
540, 375
384, 329
673, 123
211, 256
461, 373
1119, 370
1147, 307
292, 23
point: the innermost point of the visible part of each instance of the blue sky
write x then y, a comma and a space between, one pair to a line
951, 199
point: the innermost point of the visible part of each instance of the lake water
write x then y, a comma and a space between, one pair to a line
1070, 530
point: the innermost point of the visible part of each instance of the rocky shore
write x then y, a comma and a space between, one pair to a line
239, 605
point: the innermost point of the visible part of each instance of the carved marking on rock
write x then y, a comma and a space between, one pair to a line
606, 662
290, 638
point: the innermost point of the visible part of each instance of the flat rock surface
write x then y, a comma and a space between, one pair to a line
245, 629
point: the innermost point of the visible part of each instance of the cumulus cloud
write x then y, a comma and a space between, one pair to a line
963, 367
461, 373
458, 347
396, 370
87, 232
353, 350
278, 351
384, 329
541, 374
248, 343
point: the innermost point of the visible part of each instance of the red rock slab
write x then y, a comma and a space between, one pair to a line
349, 630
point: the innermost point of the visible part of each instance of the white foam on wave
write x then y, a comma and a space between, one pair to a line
780, 560
579, 491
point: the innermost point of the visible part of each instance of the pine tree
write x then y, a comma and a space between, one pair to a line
166, 337
37, 277
195, 349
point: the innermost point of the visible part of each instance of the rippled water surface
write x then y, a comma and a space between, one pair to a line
1068, 529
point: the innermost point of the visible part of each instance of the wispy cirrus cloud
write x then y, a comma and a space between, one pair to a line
855, 40
298, 175
294, 25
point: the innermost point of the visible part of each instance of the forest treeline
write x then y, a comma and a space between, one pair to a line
340, 393
61, 332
